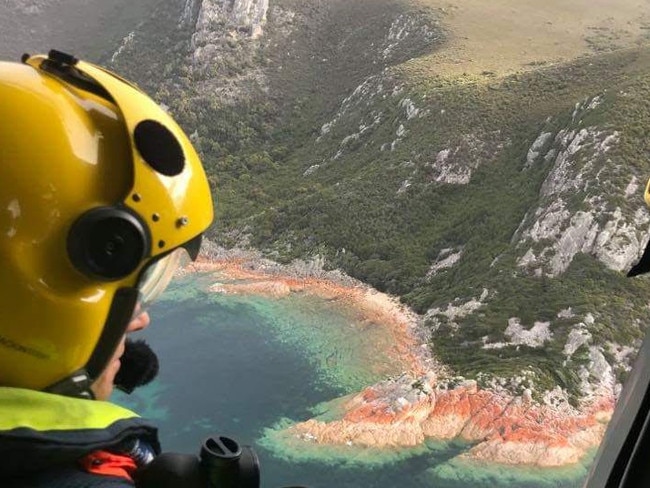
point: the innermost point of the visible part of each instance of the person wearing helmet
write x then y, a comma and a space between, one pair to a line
101, 196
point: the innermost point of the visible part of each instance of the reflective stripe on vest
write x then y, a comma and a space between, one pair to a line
44, 411
39, 430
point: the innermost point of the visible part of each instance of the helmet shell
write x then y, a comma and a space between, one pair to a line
63, 152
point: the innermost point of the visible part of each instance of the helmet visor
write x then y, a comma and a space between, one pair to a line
155, 279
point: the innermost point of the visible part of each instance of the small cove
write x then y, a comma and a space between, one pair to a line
246, 365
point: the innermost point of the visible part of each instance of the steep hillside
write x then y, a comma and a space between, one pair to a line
503, 209
493, 209
87, 28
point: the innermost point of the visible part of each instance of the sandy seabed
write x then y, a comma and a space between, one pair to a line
408, 336
502, 429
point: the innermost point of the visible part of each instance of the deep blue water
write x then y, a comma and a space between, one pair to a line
238, 366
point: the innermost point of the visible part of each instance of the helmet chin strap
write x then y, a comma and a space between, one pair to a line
139, 367
117, 321
76, 385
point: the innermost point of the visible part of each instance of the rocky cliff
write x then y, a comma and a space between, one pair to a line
583, 172
426, 401
511, 430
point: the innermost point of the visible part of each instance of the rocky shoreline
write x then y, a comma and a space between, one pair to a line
503, 429
423, 402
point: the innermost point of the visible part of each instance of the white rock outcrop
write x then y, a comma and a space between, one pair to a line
446, 259
219, 19
454, 311
535, 150
556, 231
456, 163
518, 335
578, 337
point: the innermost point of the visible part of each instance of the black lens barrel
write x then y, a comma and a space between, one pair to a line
222, 463
229, 465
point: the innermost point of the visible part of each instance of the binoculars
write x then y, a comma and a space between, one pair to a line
222, 463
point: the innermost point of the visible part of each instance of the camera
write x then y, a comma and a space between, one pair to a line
221, 463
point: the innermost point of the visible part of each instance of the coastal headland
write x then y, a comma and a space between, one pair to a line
425, 401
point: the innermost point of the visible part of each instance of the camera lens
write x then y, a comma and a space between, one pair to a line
107, 243
115, 247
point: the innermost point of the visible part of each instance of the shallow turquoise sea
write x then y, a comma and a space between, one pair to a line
247, 366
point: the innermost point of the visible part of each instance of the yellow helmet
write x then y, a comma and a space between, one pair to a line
99, 191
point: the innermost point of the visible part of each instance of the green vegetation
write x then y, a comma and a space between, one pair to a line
289, 187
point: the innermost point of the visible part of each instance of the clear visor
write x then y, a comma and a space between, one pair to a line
156, 278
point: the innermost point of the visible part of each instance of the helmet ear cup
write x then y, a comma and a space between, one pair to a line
107, 243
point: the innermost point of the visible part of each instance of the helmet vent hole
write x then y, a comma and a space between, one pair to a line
159, 148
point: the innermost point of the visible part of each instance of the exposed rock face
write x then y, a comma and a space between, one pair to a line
454, 311
455, 165
190, 10
508, 430
395, 38
446, 259
407, 30
597, 376
217, 17
582, 176
577, 337
219, 20
536, 336
225, 38
452, 163
535, 150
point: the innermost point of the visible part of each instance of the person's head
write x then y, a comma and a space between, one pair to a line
100, 195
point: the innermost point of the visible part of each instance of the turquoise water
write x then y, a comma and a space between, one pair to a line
248, 366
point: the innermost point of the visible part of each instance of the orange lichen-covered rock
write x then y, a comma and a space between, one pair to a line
405, 411
508, 430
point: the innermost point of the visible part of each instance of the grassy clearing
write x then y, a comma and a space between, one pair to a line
506, 36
